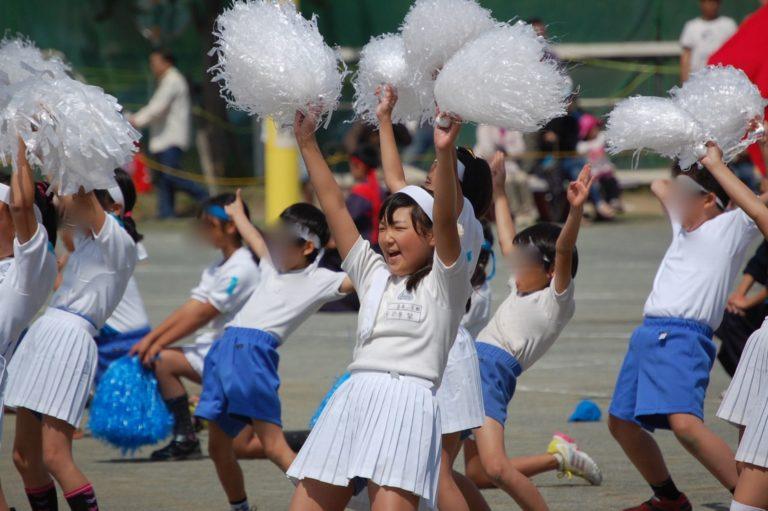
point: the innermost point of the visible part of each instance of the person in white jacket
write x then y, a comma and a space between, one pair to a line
167, 117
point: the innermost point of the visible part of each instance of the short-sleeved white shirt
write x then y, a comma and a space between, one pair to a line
699, 268
470, 235
284, 300
413, 330
705, 37
479, 313
97, 273
526, 326
25, 284
130, 314
226, 285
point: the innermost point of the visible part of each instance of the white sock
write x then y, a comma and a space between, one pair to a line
240, 506
738, 506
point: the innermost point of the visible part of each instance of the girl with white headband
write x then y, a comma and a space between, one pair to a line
240, 379
27, 265
381, 428
52, 372
225, 285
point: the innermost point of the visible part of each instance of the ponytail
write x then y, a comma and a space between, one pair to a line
128, 196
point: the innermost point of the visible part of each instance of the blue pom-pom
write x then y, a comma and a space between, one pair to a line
586, 411
128, 411
341, 379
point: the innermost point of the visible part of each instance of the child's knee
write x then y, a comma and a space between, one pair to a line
494, 467
220, 450
24, 460
56, 459
619, 427
685, 428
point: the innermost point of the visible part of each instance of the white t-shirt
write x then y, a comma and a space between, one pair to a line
526, 326
470, 235
283, 301
25, 284
479, 313
413, 330
705, 37
699, 268
130, 314
97, 273
227, 286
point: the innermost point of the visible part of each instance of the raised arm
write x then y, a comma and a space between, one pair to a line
327, 189
247, 230
739, 193
394, 175
578, 192
23, 197
89, 211
445, 213
505, 222
661, 189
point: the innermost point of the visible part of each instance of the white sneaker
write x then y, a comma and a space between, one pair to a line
573, 462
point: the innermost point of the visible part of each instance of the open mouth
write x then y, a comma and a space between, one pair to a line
393, 255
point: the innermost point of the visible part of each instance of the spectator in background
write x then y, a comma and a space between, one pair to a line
703, 36
366, 195
592, 146
168, 117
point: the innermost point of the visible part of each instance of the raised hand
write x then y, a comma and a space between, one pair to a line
498, 170
304, 126
236, 208
714, 155
445, 136
578, 190
387, 95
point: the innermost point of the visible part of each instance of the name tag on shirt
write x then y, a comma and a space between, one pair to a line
405, 311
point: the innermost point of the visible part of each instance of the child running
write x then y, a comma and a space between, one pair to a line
665, 374
523, 329
240, 379
224, 288
381, 428
459, 393
51, 375
746, 402
27, 263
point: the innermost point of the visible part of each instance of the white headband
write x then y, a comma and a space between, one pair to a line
303, 233
460, 169
689, 183
425, 201
117, 195
5, 196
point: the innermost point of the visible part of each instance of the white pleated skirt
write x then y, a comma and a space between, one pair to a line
746, 401
377, 426
3, 384
53, 368
460, 394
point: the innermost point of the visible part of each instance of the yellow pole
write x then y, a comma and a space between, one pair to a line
281, 169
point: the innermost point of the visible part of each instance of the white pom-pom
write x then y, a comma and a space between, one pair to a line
724, 101
74, 132
503, 79
382, 61
657, 124
273, 62
20, 59
433, 30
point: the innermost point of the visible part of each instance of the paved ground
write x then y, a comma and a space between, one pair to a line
617, 266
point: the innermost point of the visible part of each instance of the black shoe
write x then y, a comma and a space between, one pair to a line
178, 451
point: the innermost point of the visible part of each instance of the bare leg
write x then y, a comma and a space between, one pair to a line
28, 450
248, 446
707, 447
641, 449
312, 495
529, 466
169, 368
471, 493
490, 447
473, 468
57, 454
3, 502
387, 498
449, 496
276, 449
752, 489
227, 468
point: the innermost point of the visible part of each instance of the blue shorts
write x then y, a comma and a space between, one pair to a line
240, 380
666, 371
113, 345
498, 374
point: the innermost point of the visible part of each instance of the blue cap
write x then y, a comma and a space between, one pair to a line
586, 411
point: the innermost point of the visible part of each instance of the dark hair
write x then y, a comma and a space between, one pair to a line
167, 55
480, 275
366, 154
307, 215
477, 184
421, 224
44, 203
543, 237
702, 176
221, 200
535, 21
125, 183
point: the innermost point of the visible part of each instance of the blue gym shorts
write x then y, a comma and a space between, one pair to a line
240, 380
666, 371
499, 371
